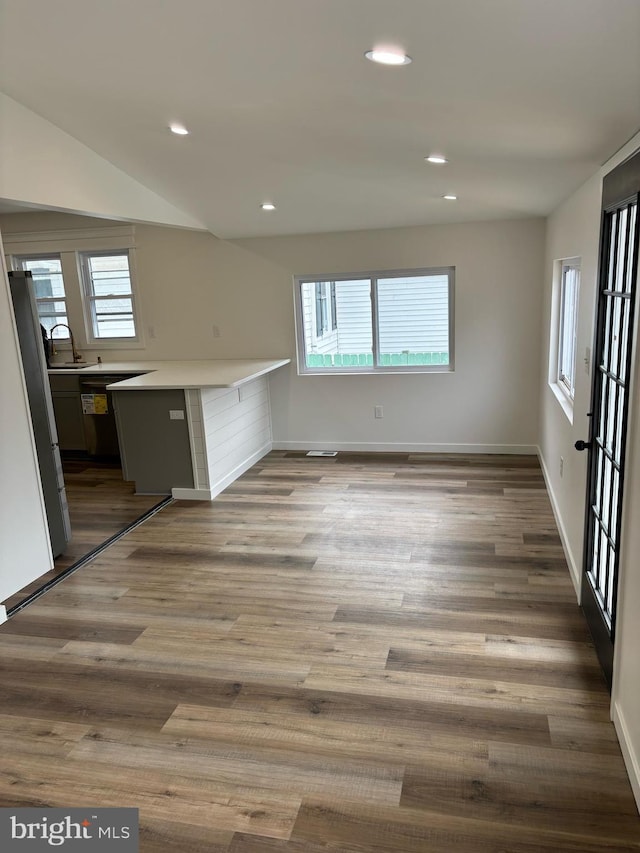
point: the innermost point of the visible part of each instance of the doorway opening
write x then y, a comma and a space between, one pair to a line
102, 507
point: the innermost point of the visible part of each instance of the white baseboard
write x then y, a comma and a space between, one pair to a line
574, 570
631, 760
191, 494
402, 447
3, 614
208, 494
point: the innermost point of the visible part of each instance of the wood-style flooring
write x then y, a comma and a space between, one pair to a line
101, 503
355, 654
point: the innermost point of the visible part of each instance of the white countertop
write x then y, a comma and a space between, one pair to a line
157, 375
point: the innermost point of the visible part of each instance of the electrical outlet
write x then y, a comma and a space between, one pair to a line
176, 414
378, 412
152, 332
561, 466
216, 331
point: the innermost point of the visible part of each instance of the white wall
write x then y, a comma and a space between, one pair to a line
573, 230
626, 685
489, 402
191, 282
25, 553
43, 166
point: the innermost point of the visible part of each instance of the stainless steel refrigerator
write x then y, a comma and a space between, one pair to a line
34, 363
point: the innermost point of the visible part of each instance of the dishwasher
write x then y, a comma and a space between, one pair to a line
99, 420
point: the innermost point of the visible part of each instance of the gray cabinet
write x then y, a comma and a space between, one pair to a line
155, 448
67, 408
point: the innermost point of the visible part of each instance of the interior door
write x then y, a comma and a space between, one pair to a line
610, 404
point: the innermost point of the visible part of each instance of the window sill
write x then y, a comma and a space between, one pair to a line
380, 371
115, 343
565, 403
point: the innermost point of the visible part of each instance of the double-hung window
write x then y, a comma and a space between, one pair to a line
48, 285
108, 295
569, 289
375, 322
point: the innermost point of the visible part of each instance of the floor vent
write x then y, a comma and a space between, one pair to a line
322, 453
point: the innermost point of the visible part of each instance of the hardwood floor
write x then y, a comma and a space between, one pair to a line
101, 503
344, 654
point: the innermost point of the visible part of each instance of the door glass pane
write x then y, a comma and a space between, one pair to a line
624, 341
604, 561
606, 343
606, 495
593, 569
602, 415
612, 251
615, 494
616, 323
631, 247
622, 246
598, 493
621, 404
610, 579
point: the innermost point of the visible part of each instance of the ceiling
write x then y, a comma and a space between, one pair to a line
527, 98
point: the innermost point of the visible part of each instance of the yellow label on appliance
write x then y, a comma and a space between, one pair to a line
100, 404
95, 404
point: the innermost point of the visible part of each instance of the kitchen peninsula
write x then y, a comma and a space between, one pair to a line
189, 428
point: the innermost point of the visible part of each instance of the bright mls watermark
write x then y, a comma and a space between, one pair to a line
80, 830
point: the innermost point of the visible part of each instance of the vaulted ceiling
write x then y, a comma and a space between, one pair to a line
526, 99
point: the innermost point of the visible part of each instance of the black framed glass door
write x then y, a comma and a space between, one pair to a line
610, 404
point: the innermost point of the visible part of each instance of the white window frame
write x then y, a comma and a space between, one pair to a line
373, 276
568, 332
89, 299
17, 262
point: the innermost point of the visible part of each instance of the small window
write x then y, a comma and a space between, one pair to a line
376, 322
48, 285
108, 295
568, 330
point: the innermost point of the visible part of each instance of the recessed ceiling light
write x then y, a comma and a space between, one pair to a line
436, 158
450, 197
387, 56
179, 129
267, 205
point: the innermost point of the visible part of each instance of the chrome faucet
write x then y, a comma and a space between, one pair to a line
76, 355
